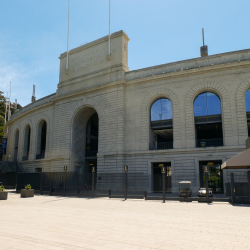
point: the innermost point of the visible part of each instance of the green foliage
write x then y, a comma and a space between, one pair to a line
2, 189
28, 187
2, 112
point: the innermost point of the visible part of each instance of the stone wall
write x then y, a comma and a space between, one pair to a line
123, 100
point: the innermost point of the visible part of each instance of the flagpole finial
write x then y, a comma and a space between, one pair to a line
109, 51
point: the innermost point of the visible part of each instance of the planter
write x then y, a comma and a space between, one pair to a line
27, 193
3, 195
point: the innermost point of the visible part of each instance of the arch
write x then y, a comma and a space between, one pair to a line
13, 145
78, 135
41, 136
26, 142
223, 94
148, 100
158, 106
241, 110
94, 103
16, 143
42, 118
209, 99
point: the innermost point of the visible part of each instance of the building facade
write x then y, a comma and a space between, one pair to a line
183, 115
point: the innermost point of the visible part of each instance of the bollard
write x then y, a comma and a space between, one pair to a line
126, 186
93, 184
164, 187
50, 190
64, 184
248, 180
232, 188
145, 195
109, 194
41, 184
163, 171
207, 191
126, 182
78, 189
93, 181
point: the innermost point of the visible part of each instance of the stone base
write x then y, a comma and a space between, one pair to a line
27, 193
3, 195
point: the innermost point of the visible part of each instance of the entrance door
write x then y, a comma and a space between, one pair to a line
157, 177
215, 177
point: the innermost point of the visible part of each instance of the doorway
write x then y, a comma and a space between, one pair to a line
157, 177
215, 176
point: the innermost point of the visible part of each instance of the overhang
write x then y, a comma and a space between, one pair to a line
240, 161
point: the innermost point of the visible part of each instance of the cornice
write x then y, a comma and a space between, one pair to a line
81, 92
42, 160
171, 152
187, 71
90, 75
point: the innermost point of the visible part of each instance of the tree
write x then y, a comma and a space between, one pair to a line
2, 113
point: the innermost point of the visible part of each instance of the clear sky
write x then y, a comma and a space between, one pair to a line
33, 33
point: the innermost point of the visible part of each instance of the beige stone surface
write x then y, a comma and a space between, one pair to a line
49, 222
122, 100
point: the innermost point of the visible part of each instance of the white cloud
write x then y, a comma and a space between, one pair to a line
27, 66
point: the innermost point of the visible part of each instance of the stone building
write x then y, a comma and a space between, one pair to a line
183, 115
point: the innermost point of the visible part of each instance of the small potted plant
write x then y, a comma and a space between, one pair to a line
3, 193
27, 192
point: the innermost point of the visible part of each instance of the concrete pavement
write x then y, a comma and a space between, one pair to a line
50, 222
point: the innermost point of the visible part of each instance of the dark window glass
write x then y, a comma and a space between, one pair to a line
161, 110
247, 98
207, 104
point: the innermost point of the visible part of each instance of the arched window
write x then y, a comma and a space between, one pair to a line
26, 143
208, 121
247, 100
207, 104
41, 139
161, 110
16, 144
161, 134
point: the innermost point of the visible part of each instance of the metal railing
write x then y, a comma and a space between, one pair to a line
161, 145
112, 185
201, 143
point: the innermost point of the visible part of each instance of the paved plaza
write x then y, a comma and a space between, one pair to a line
51, 222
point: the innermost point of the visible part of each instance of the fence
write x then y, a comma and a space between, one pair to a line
114, 185
239, 187
8, 180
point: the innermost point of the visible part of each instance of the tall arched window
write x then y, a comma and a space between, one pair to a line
161, 134
16, 144
41, 140
26, 148
208, 121
247, 100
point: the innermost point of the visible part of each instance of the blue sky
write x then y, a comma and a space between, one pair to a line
33, 33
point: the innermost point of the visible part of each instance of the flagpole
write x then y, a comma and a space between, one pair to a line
9, 103
67, 62
109, 26
6, 109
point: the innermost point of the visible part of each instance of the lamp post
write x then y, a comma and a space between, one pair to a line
126, 183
